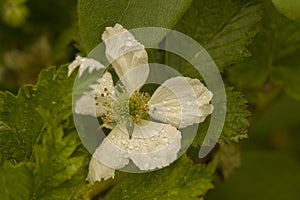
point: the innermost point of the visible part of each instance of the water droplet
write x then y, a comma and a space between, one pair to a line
165, 139
128, 43
163, 131
164, 102
53, 102
152, 139
34, 89
103, 80
124, 142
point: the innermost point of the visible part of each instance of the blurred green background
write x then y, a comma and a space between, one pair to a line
36, 34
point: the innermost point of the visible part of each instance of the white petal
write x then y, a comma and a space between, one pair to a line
157, 151
104, 89
84, 63
126, 53
112, 152
146, 129
94, 99
181, 102
98, 171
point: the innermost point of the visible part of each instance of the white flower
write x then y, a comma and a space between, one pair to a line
179, 102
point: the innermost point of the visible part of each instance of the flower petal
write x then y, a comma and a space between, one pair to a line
126, 54
112, 152
157, 151
98, 171
84, 63
94, 99
181, 101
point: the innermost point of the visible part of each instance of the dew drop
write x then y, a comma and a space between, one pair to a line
124, 142
165, 139
53, 102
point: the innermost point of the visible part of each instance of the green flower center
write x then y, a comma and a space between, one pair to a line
126, 109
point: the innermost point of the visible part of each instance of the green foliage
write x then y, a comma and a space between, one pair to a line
223, 28
236, 121
289, 8
181, 180
22, 117
94, 16
54, 173
275, 56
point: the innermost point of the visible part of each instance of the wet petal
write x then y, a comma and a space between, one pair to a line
84, 63
157, 151
112, 152
181, 102
129, 58
98, 171
91, 102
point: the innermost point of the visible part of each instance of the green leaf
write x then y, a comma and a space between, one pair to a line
55, 173
21, 120
275, 56
181, 180
290, 8
95, 15
16, 181
236, 122
228, 158
223, 28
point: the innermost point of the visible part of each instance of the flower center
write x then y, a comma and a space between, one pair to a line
126, 109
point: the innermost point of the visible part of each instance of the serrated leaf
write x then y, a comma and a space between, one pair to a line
181, 180
223, 28
94, 16
21, 113
53, 175
236, 122
275, 56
